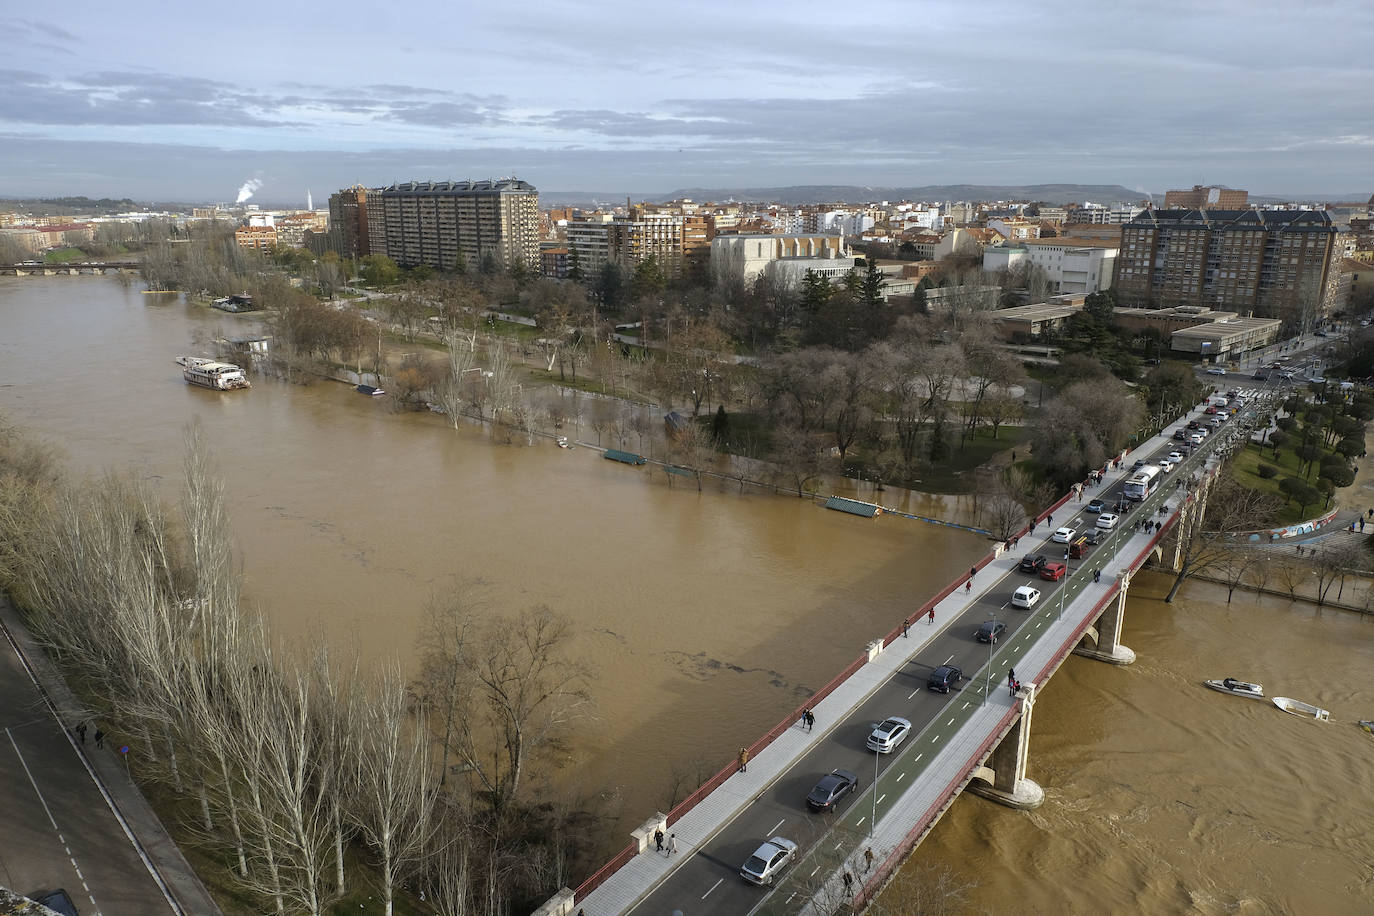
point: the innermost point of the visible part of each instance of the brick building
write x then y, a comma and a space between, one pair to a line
1271, 263
1211, 197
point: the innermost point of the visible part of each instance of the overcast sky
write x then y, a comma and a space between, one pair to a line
188, 101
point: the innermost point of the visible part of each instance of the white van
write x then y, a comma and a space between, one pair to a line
1025, 597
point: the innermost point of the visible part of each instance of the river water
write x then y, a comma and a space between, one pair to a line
709, 616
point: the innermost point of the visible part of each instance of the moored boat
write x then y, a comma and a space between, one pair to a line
1367, 725
1238, 688
1299, 708
209, 373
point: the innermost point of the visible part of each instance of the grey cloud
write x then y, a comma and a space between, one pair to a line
443, 114
46, 29
127, 99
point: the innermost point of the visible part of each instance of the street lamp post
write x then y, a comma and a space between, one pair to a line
873, 821
987, 678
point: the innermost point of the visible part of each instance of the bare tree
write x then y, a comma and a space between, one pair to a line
394, 784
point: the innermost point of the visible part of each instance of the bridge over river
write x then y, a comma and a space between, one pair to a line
74, 269
975, 737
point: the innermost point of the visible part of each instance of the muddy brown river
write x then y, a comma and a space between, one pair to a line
709, 616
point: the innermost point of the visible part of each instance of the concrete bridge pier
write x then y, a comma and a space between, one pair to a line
1102, 640
1002, 778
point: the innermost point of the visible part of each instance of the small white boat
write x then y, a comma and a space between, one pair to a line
562, 442
1299, 708
1367, 725
1238, 688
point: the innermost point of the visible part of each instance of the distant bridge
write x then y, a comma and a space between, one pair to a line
71, 269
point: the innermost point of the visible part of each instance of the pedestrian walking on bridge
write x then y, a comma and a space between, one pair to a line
932, 617
868, 859
744, 759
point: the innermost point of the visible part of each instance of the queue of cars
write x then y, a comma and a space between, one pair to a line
775, 854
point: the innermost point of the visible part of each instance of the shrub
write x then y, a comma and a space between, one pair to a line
1268, 471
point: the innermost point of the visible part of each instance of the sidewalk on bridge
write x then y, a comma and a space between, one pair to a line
138, 816
640, 875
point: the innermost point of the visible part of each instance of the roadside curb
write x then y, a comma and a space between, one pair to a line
169, 868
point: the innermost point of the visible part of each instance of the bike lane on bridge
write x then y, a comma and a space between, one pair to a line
716, 836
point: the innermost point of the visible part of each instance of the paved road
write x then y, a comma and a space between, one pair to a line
58, 830
708, 880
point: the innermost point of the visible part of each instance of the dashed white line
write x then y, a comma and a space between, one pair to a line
918, 758
861, 820
814, 870
881, 797
951, 721
901, 776
777, 825
912, 694
713, 887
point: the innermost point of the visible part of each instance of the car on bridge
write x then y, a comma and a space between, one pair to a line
1096, 506
1063, 535
1025, 597
833, 786
1180, 434
889, 733
990, 630
1216, 370
1053, 572
1032, 564
943, 678
769, 859
1166, 465
1107, 521
1175, 457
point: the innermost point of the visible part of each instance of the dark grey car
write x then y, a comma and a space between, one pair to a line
832, 787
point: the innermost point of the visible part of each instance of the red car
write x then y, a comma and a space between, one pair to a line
1210, 409
1053, 571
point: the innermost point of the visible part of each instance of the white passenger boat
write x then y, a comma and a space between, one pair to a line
1299, 708
1238, 688
209, 373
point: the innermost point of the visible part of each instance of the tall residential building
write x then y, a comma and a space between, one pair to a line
441, 223
1210, 197
348, 229
647, 235
589, 238
1270, 262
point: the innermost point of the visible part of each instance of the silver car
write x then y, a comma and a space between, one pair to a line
769, 859
888, 734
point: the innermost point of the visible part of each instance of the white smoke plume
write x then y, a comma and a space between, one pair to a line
247, 189
1144, 193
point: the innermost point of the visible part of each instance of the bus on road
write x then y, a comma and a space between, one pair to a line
1142, 482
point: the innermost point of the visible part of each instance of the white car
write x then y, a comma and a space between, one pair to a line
1107, 521
1025, 597
769, 859
1166, 465
1063, 535
889, 733
1216, 370
1196, 439
1175, 457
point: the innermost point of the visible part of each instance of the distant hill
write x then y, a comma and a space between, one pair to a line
819, 194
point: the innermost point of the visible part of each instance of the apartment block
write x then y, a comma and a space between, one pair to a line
647, 235
348, 227
445, 223
1210, 197
1271, 263
259, 238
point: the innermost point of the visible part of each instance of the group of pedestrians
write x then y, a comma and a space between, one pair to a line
1012, 683
658, 841
808, 719
1147, 527
81, 730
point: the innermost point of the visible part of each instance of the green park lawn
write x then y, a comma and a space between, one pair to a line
1246, 471
65, 256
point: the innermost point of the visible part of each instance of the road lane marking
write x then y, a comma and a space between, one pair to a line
813, 871
951, 721
48, 811
881, 797
713, 887
948, 660
913, 693
901, 776
861, 821
777, 825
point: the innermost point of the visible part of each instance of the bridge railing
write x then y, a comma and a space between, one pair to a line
600, 876
926, 821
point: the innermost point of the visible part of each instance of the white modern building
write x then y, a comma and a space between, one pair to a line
750, 256
1069, 267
